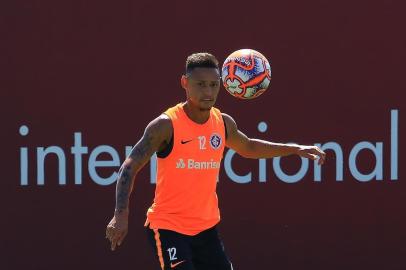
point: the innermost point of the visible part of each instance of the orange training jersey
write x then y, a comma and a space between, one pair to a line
185, 196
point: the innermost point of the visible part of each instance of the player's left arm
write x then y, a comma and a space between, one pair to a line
256, 148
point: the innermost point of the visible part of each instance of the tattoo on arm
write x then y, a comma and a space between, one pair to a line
138, 157
123, 188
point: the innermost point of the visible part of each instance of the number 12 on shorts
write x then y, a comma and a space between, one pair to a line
172, 254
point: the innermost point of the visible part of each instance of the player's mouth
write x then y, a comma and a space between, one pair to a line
207, 99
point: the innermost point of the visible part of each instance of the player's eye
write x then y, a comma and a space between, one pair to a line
200, 84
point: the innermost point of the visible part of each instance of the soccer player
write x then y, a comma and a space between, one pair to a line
189, 140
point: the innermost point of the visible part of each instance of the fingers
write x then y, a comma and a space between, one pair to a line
310, 156
321, 160
108, 233
319, 154
117, 240
111, 236
115, 237
314, 153
322, 156
121, 238
113, 244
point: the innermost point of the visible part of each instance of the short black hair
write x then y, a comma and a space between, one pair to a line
203, 59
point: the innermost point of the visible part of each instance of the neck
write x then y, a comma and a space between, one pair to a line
196, 114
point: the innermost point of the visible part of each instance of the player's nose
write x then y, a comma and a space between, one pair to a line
208, 92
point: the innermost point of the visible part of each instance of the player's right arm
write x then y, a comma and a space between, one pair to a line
156, 136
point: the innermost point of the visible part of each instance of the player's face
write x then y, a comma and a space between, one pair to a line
202, 86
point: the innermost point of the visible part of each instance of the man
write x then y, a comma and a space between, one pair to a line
189, 140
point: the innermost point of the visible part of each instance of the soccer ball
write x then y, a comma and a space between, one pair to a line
246, 74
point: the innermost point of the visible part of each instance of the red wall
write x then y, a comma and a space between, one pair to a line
105, 69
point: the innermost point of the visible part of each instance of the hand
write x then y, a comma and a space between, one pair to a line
117, 230
312, 152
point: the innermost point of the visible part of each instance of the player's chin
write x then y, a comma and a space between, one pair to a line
206, 106
204, 109
207, 103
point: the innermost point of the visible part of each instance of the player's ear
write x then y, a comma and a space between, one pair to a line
183, 82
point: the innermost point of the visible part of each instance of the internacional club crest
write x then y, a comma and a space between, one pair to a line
215, 141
